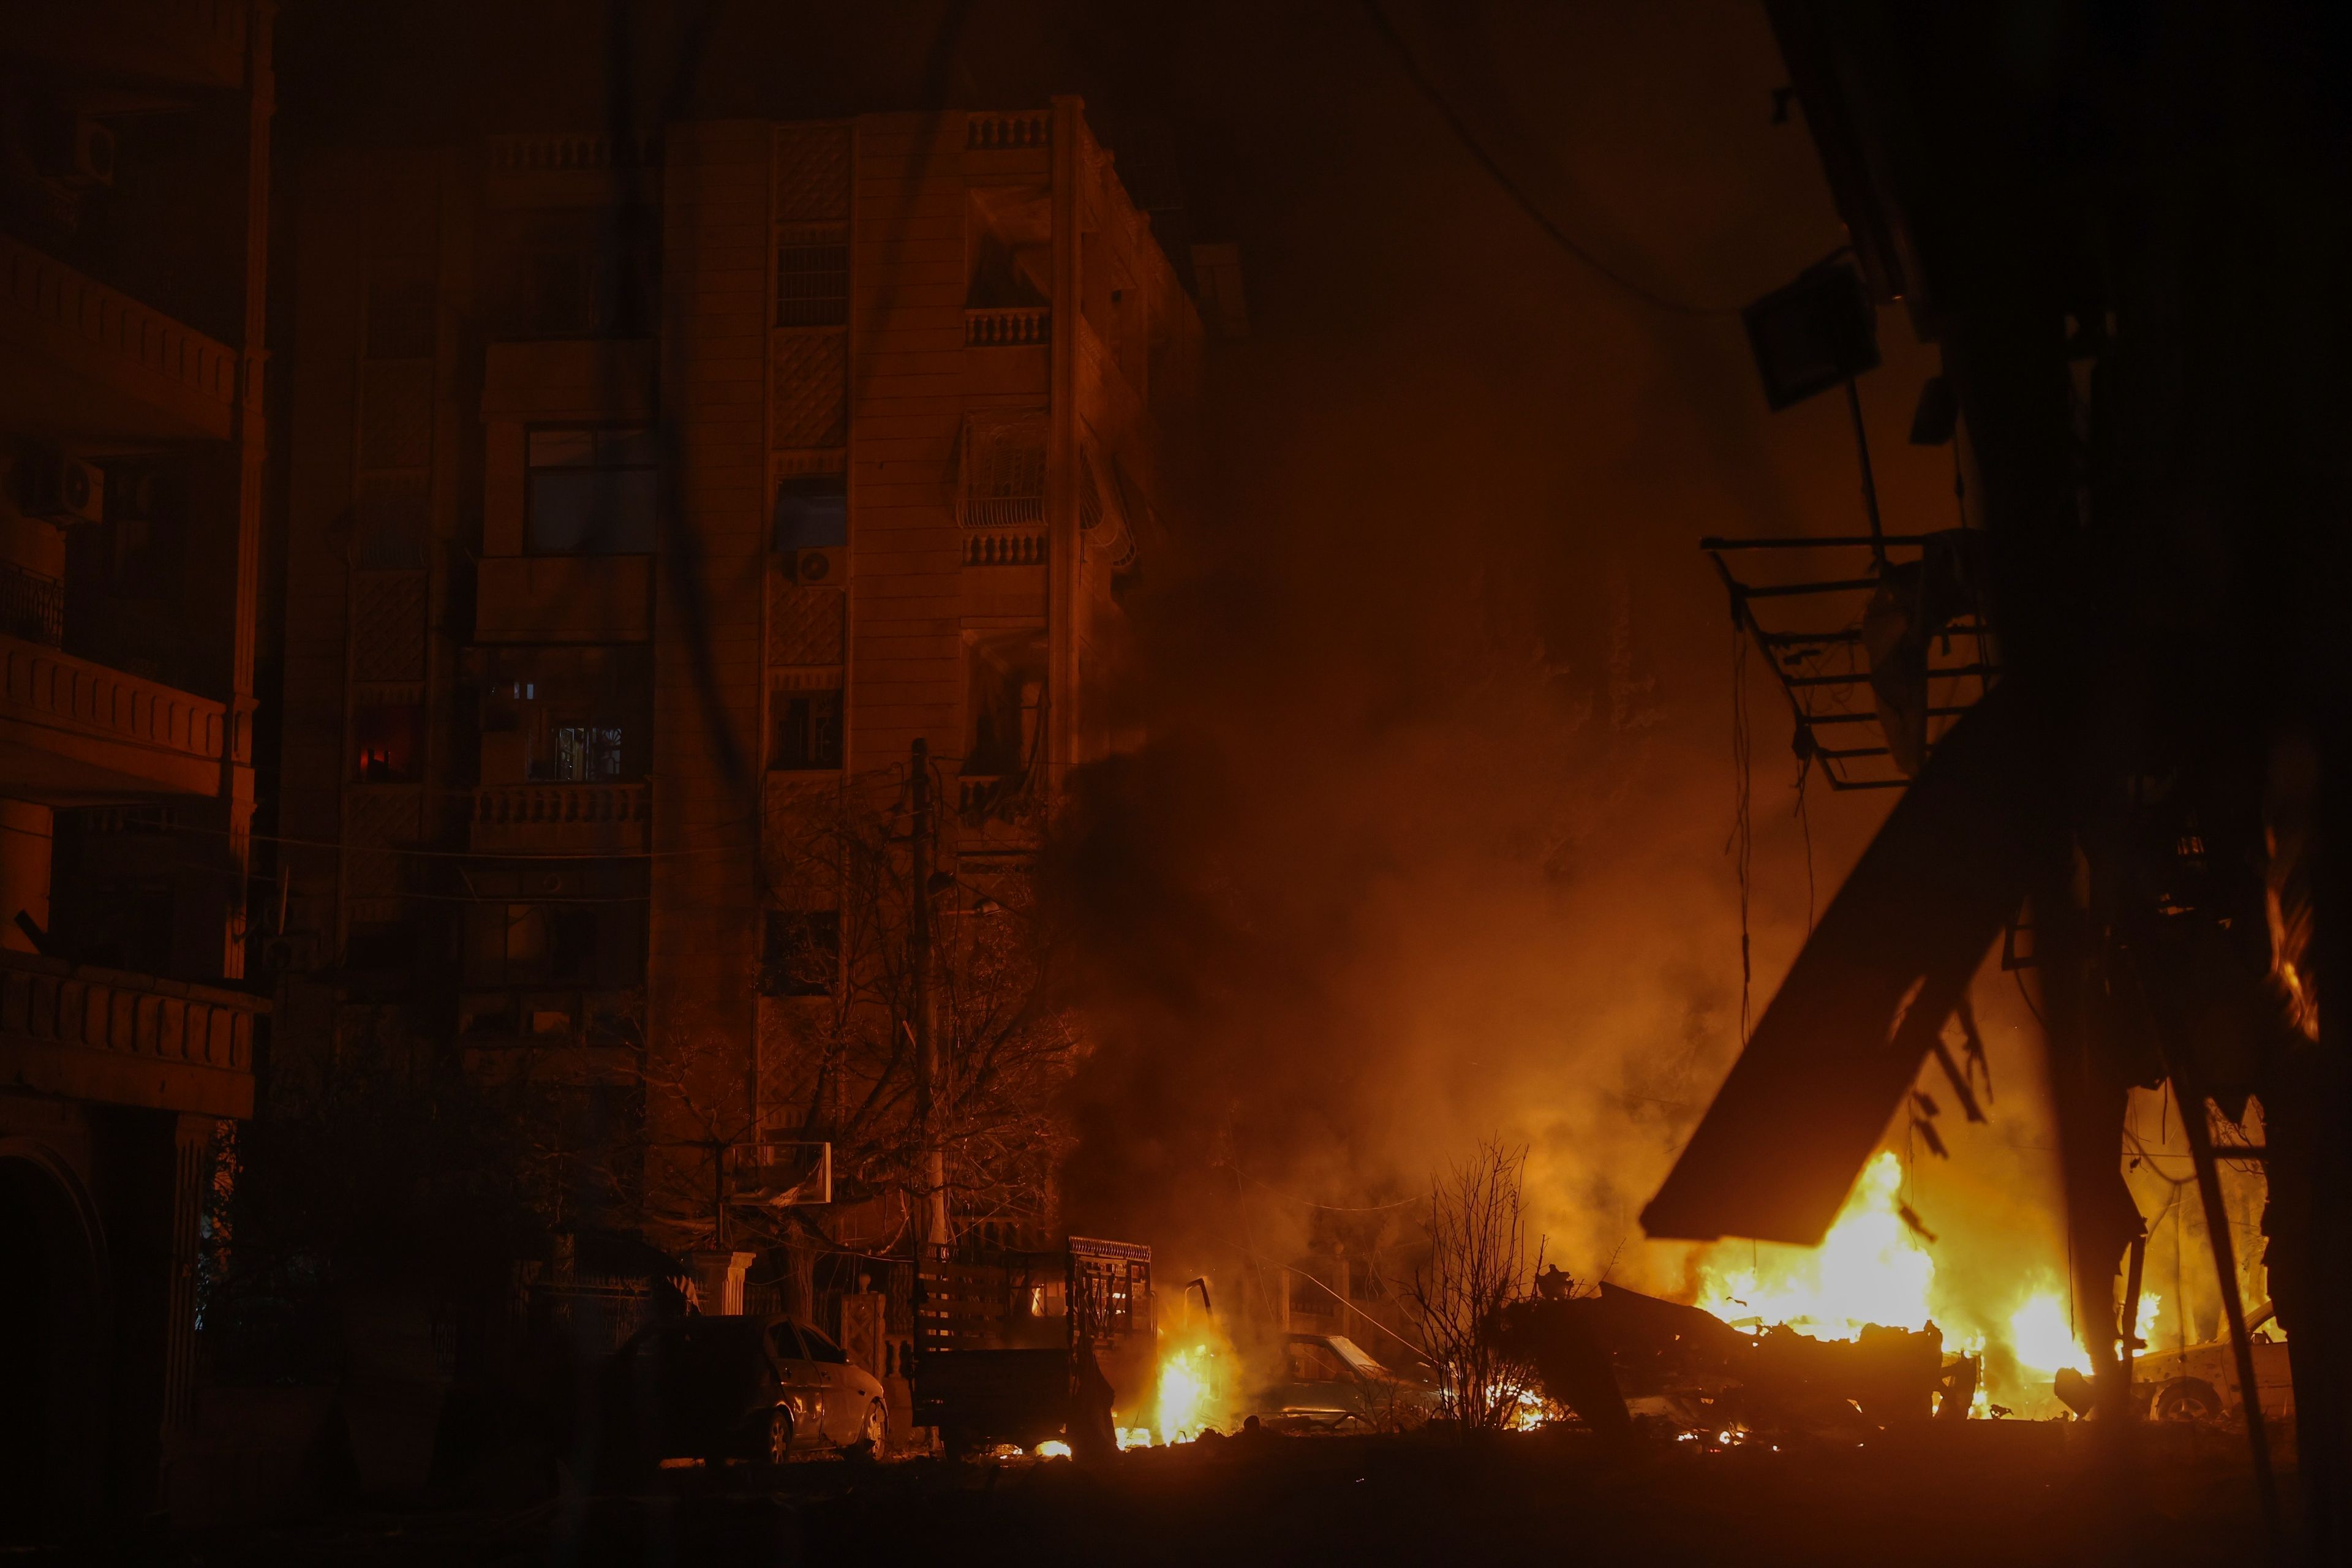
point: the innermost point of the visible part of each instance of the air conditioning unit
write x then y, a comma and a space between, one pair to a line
59, 488
829, 566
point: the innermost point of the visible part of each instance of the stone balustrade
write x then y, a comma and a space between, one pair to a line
1021, 326
586, 818
1005, 547
185, 381
1007, 132
126, 731
124, 1038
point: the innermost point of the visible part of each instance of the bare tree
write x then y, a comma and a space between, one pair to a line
1476, 1263
841, 1051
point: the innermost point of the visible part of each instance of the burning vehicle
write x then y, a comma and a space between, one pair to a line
1330, 1383
2199, 1383
1027, 1348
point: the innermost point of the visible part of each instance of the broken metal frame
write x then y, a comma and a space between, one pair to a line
1798, 681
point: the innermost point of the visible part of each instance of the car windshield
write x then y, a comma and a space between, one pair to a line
1353, 1354
820, 1348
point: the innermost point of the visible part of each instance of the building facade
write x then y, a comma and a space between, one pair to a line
648, 500
134, 218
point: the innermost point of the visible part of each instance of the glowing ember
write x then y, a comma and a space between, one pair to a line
1870, 1268
1052, 1448
1134, 1437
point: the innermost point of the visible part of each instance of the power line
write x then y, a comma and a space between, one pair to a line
1512, 188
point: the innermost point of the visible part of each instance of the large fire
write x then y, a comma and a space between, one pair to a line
1185, 1392
1871, 1268
1877, 1265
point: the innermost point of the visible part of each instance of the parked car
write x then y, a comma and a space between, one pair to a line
1330, 1383
758, 1388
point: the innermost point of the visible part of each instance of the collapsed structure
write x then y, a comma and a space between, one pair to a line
2088, 215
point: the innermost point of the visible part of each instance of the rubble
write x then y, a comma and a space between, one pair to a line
1623, 1361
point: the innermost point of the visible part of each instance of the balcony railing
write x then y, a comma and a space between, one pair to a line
588, 818
109, 337
1006, 133
1005, 547
135, 733
1024, 326
124, 1038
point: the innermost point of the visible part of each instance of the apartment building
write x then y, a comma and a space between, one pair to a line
134, 210
643, 494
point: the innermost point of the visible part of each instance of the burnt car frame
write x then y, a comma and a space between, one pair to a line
1330, 1383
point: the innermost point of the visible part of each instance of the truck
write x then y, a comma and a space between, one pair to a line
1004, 1338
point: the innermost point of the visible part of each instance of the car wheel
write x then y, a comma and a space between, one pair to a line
778, 1446
2187, 1399
874, 1433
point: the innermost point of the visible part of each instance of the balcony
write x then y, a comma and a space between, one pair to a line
78, 359
125, 1039
76, 733
561, 818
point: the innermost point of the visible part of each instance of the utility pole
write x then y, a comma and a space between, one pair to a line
934, 1228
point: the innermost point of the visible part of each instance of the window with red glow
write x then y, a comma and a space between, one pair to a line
386, 738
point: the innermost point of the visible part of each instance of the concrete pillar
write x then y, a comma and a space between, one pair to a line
718, 1281
24, 835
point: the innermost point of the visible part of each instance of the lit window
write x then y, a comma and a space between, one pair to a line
585, 753
387, 736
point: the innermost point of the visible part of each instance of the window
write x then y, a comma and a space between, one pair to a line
587, 753
572, 715
800, 952
820, 1348
811, 512
807, 731
785, 1341
1005, 702
387, 735
812, 278
592, 492
1311, 1362
1003, 462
